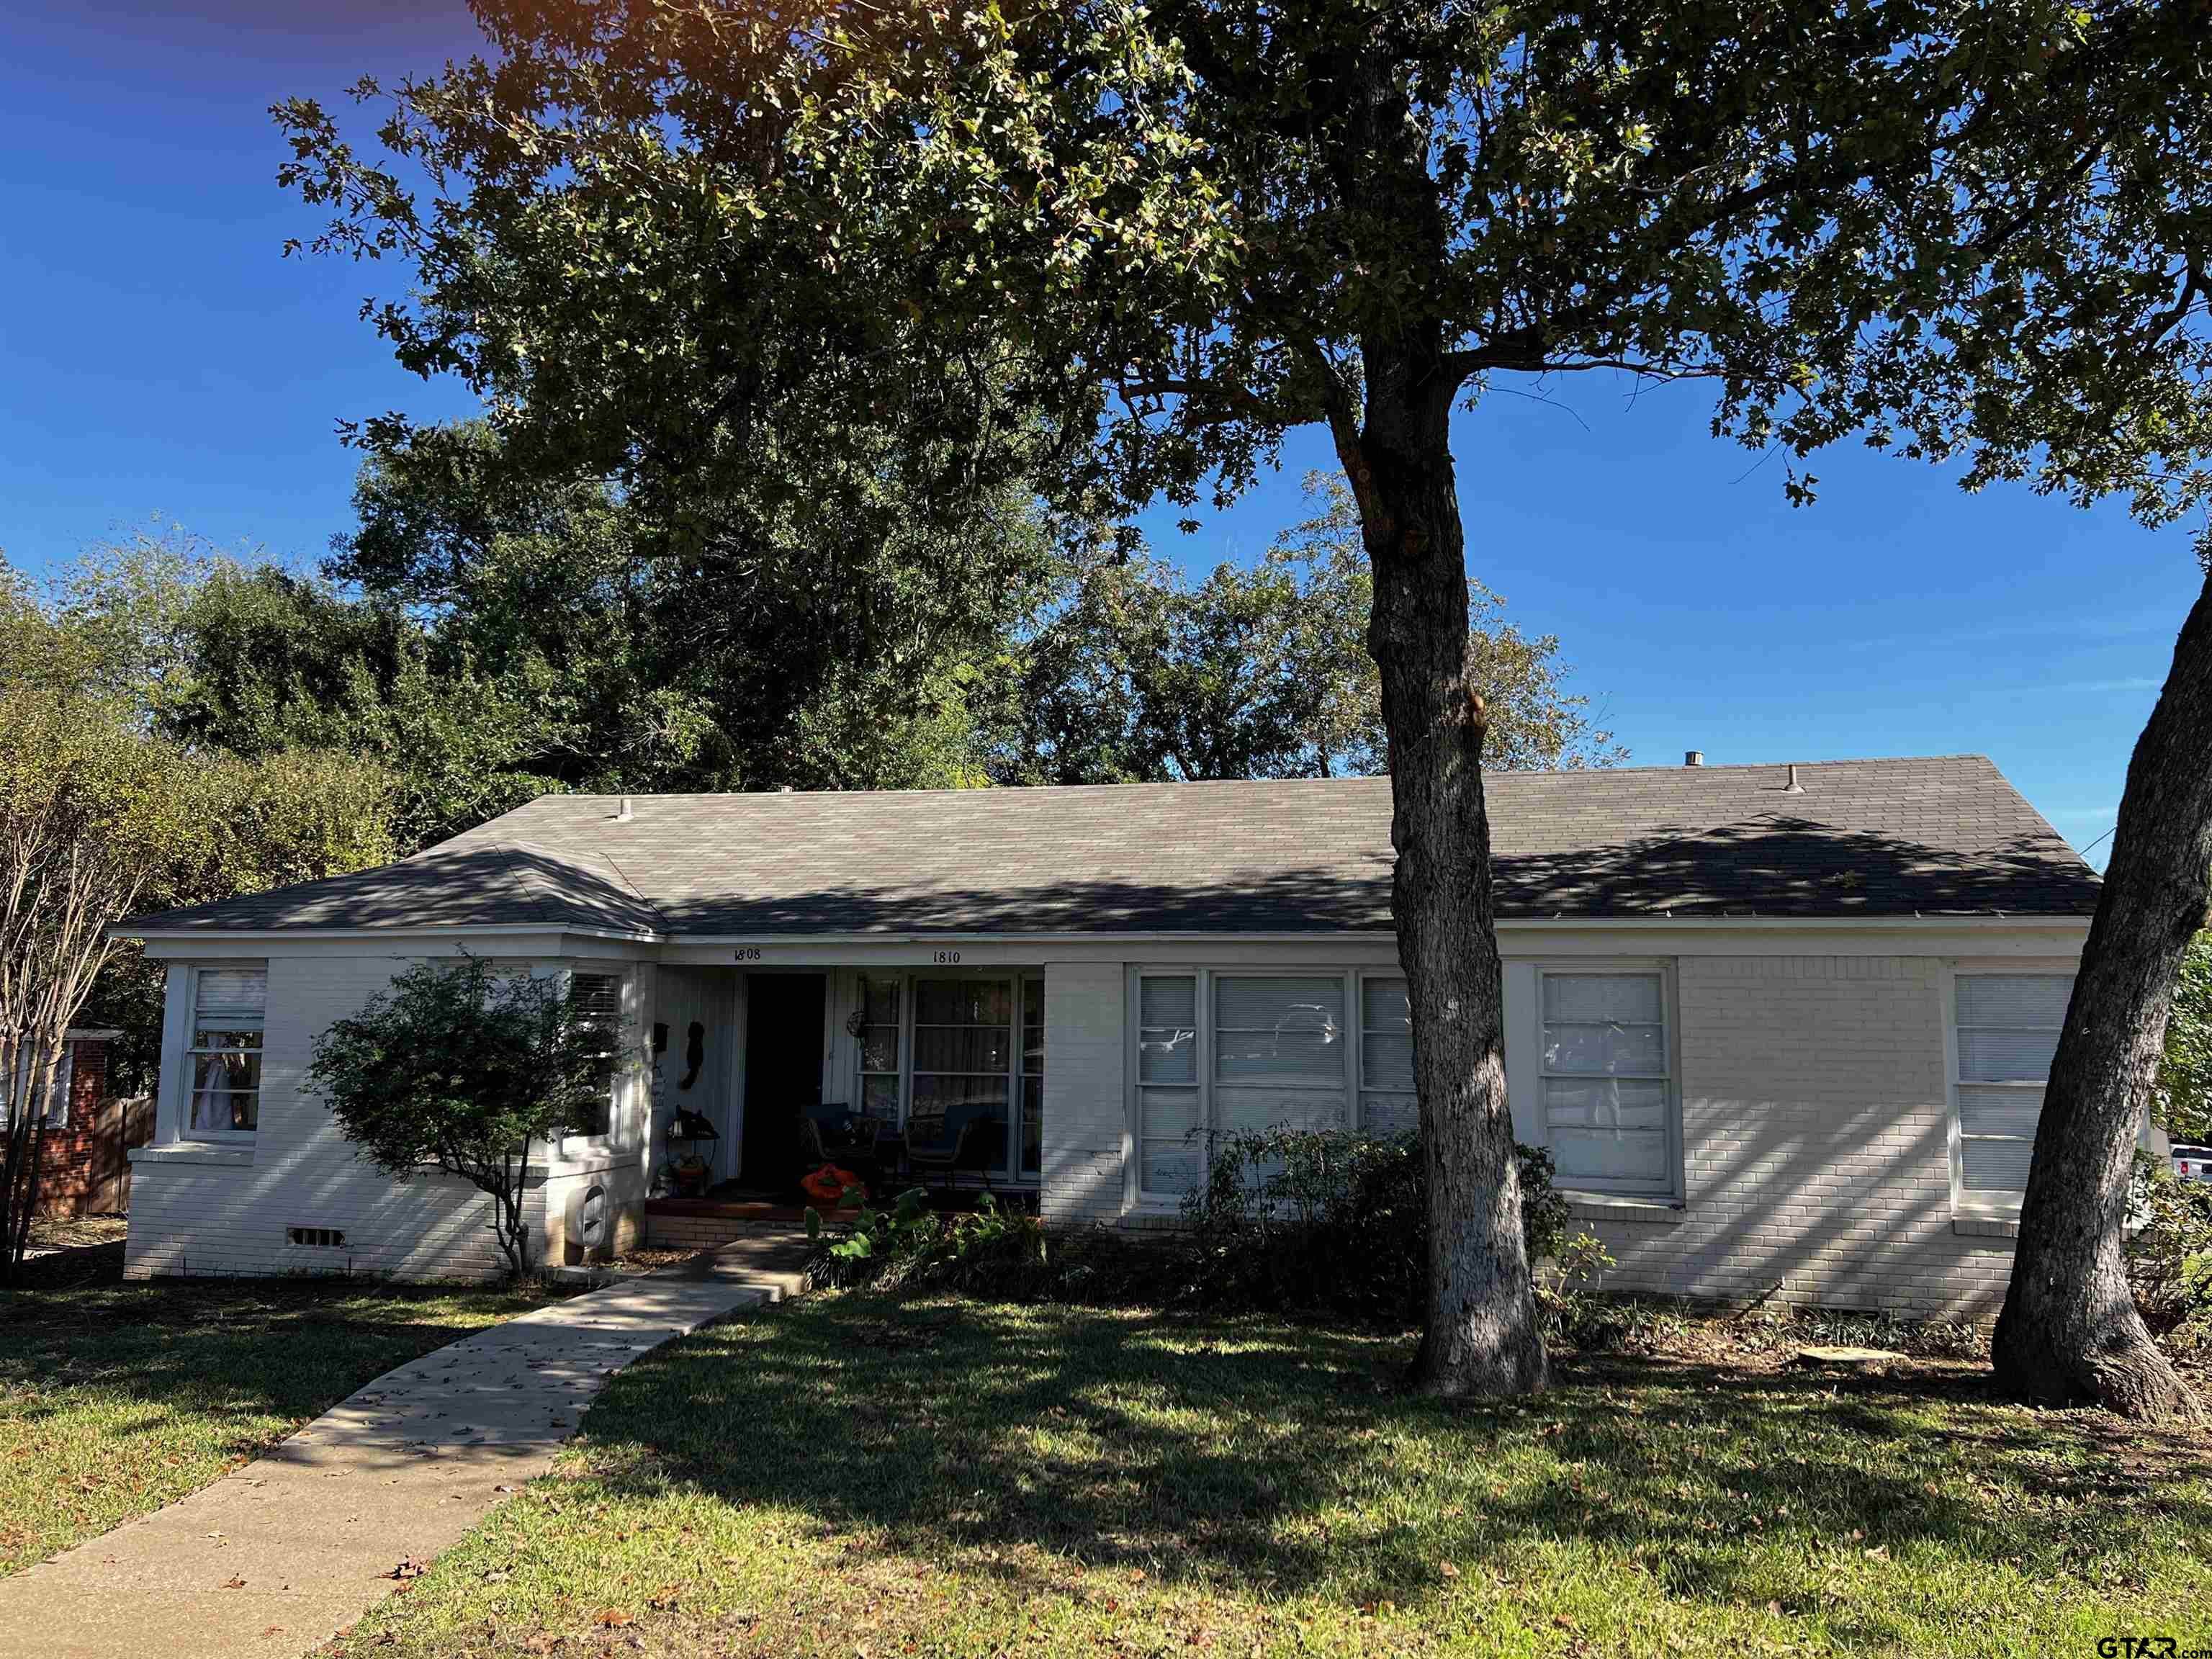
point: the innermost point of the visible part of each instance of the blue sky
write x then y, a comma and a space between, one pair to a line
160, 357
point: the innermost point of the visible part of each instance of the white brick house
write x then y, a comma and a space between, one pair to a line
1779, 1028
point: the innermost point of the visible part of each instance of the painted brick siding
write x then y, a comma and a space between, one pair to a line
1815, 1117
1085, 1115
204, 1217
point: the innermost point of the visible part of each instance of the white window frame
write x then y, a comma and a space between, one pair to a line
1986, 1206
57, 1115
1671, 1190
626, 1026
189, 1050
1026, 981
1359, 1023
1135, 1195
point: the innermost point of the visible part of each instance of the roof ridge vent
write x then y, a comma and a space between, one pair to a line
1793, 787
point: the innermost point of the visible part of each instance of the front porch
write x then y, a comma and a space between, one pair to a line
908, 1076
731, 1213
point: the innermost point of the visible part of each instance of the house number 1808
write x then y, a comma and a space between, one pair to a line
944, 958
749, 953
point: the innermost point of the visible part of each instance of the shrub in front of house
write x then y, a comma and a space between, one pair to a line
990, 1249
1324, 1221
2170, 1253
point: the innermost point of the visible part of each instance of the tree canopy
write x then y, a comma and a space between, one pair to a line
1136, 674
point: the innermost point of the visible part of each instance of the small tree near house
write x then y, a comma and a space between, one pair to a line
464, 1068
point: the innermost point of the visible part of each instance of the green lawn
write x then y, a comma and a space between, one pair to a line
860, 1476
116, 1399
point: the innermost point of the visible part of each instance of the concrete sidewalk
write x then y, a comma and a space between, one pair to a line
277, 1556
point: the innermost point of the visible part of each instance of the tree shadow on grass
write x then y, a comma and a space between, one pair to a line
1281, 1460
226, 1349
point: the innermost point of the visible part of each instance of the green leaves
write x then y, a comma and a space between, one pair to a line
461, 1067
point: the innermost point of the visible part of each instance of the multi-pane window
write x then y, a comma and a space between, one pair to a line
880, 1037
1276, 1054
962, 1057
2005, 1027
1607, 1082
16, 1089
223, 1060
1386, 1057
1169, 1154
596, 1000
1032, 1076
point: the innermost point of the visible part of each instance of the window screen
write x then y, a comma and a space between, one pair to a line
1386, 1057
1607, 1085
2007, 1029
1169, 1151
1280, 1053
229, 1009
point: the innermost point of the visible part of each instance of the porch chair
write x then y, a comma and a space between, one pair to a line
837, 1135
965, 1144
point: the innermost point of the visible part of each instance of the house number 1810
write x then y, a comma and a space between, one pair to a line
944, 958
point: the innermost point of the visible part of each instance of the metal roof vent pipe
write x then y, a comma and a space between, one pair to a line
623, 815
1693, 757
1793, 787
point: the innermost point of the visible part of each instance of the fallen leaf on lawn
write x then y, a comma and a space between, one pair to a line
274, 1630
235, 1583
1879, 1552
1448, 1571
409, 1568
610, 1619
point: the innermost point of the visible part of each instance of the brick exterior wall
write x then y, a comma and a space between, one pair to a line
1815, 1115
1086, 1109
224, 1211
81, 1165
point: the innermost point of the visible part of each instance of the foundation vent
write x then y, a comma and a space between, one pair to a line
316, 1238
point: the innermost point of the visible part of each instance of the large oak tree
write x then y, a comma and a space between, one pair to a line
1126, 247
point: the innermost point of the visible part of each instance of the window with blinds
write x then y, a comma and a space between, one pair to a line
2005, 1030
595, 1002
1608, 1081
1386, 1104
229, 1007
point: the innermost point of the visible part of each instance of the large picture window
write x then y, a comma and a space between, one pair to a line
956, 1059
2005, 1030
223, 1059
963, 1051
1608, 1081
1273, 1051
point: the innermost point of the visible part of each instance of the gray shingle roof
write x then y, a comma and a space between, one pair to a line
1876, 838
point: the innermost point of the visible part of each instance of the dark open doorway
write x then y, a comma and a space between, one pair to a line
783, 1071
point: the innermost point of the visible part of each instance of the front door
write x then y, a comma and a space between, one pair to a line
783, 1071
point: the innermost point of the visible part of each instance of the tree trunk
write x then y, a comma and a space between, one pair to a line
2069, 1331
1481, 1337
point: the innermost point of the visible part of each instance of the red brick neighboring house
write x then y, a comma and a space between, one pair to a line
82, 1167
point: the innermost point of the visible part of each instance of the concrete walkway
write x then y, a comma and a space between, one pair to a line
275, 1558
